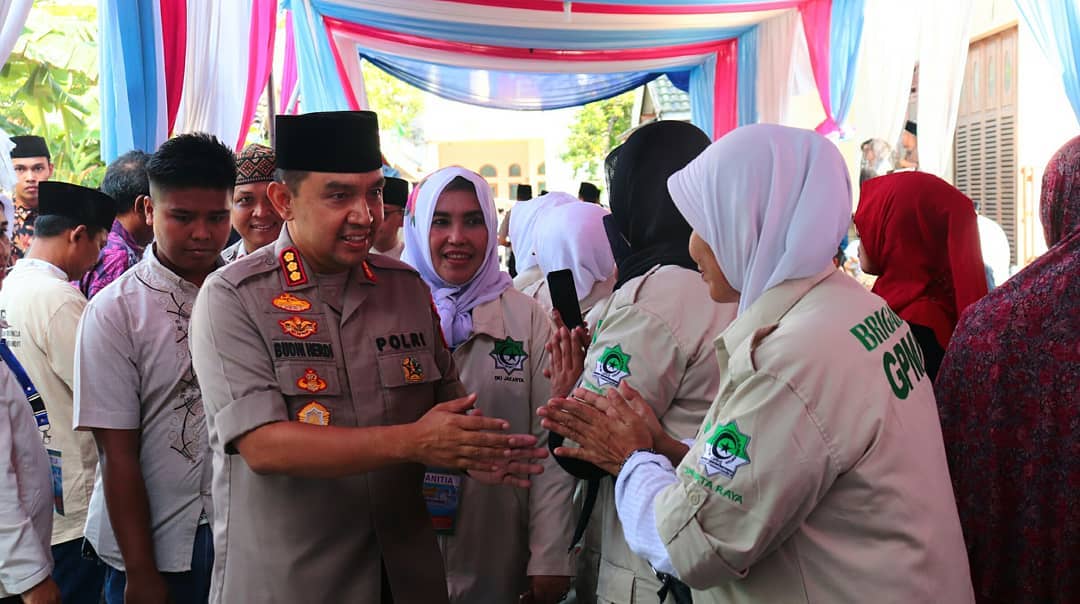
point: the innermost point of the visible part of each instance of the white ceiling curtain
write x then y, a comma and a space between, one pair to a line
943, 49
13, 15
886, 64
215, 69
776, 38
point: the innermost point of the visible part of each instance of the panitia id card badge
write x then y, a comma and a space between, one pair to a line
442, 493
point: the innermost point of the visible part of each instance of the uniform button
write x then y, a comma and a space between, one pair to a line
696, 498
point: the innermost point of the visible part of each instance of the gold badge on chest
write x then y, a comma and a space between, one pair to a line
299, 327
315, 414
413, 370
291, 303
311, 381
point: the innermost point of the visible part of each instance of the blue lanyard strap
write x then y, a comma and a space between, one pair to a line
32, 396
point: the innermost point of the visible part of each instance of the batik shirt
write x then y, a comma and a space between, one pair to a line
22, 231
133, 372
121, 252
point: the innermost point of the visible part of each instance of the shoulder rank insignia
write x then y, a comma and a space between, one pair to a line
298, 327
311, 381
291, 303
294, 269
414, 372
370, 274
315, 414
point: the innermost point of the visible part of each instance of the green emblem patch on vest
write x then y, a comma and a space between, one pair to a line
509, 355
726, 450
612, 367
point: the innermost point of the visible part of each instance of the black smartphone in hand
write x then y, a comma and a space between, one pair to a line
564, 298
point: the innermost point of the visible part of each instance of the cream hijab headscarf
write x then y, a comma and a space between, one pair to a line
772, 202
454, 302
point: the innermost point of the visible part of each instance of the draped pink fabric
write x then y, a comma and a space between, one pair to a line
174, 45
261, 60
725, 100
816, 17
288, 74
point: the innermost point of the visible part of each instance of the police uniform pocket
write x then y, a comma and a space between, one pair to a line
312, 393
408, 380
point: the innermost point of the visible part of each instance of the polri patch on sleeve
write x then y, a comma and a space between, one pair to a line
293, 268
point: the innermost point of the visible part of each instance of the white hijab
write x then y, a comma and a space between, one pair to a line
572, 236
772, 202
523, 218
454, 302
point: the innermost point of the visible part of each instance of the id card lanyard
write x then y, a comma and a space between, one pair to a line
41, 416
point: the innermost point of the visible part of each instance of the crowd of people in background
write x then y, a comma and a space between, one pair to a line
278, 375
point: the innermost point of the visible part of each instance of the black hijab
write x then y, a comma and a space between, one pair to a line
641, 206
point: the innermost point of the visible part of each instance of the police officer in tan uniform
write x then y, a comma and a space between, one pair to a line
322, 374
809, 481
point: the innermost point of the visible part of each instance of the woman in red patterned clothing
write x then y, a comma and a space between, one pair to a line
1009, 401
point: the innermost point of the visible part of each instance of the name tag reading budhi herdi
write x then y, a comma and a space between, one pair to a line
442, 493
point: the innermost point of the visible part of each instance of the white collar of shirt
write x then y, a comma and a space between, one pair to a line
42, 265
163, 273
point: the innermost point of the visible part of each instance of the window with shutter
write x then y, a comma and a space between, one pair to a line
984, 150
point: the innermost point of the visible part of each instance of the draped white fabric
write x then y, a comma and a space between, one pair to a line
943, 49
886, 64
13, 14
215, 70
776, 39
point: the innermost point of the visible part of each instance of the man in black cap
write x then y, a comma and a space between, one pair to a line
388, 241
589, 192
324, 375
43, 310
33, 165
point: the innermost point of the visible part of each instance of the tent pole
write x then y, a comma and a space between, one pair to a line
270, 109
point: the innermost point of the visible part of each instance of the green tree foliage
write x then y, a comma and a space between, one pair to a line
49, 87
398, 104
595, 132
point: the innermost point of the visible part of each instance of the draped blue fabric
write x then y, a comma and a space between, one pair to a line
845, 36
702, 93
508, 89
1056, 28
747, 93
680, 79
129, 82
318, 78
519, 37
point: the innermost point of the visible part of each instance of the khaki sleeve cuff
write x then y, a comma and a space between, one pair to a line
245, 414
691, 551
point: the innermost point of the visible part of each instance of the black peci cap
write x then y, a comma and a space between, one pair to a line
333, 141
396, 192
29, 146
81, 204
